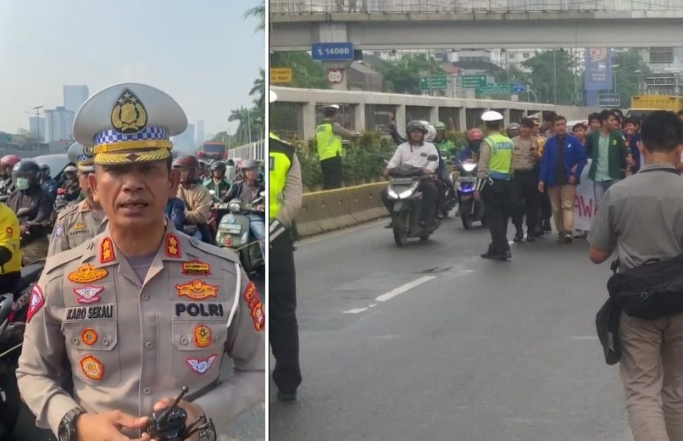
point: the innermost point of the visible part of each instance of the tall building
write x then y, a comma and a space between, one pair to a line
74, 96
200, 133
36, 127
59, 124
186, 140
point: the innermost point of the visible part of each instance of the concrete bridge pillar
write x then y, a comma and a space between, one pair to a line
433, 114
401, 118
308, 119
506, 115
462, 119
359, 117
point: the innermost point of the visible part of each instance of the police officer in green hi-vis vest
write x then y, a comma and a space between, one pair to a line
328, 136
284, 199
494, 184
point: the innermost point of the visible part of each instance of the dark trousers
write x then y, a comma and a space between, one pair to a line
429, 197
526, 199
284, 329
332, 173
497, 198
545, 210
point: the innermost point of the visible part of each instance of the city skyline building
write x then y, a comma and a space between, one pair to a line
74, 96
36, 127
58, 124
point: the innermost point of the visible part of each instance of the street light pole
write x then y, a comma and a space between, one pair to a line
37, 110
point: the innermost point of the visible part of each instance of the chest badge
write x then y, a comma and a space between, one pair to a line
89, 336
197, 290
88, 294
196, 268
202, 336
107, 251
87, 274
201, 365
92, 368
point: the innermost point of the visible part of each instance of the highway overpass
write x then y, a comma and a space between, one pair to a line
453, 24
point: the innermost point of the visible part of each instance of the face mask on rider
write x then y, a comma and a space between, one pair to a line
23, 183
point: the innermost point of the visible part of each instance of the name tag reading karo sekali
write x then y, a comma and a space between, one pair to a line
94, 312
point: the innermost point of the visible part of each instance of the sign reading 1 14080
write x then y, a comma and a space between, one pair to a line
332, 51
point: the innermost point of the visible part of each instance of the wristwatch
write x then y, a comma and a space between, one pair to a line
208, 433
67, 427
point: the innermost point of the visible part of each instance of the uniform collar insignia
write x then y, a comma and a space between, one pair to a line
107, 253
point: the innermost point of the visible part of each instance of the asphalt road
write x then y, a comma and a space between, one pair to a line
250, 426
430, 341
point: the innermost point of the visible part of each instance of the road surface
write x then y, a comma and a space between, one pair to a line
431, 342
250, 426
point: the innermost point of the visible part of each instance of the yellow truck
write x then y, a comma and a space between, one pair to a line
643, 105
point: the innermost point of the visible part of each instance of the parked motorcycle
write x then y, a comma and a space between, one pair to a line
407, 207
234, 232
470, 210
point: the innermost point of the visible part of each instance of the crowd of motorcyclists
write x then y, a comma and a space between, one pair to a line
31, 199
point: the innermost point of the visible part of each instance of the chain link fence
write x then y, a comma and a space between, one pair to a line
286, 119
377, 117
287, 7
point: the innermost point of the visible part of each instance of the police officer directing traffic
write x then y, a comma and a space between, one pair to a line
140, 310
328, 135
285, 199
494, 184
80, 222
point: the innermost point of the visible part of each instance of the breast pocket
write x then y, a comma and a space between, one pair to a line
93, 351
199, 347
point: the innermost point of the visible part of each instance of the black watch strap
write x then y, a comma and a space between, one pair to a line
208, 433
67, 427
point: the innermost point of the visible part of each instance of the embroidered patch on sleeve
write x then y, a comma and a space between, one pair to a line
35, 303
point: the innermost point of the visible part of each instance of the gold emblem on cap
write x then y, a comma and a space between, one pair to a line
128, 115
87, 150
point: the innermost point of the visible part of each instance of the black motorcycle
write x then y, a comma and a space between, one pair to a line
407, 203
470, 210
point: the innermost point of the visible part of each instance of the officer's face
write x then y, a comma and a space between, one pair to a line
133, 195
560, 127
83, 183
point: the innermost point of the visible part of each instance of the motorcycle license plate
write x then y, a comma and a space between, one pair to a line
401, 180
468, 179
231, 228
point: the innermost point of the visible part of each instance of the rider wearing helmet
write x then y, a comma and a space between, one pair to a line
196, 197
494, 186
513, 130
7, 163
441, 141
71, 184
217, 181
46, 182
248, 190
471, 150
415, 152
203, 169
38, 208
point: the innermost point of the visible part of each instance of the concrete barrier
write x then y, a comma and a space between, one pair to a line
330, 210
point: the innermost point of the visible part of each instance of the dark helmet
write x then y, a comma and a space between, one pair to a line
248, 163
513, 130
416, 125
219, 165
26, 169
186, 161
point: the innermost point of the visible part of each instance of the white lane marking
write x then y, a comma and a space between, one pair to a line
374, 304
355, 311
403, 288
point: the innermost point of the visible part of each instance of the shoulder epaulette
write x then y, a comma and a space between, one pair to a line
66, 211
60, 259
223, 253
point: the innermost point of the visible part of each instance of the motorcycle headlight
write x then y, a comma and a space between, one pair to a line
392, 194
405, 194
469, 166
234, 207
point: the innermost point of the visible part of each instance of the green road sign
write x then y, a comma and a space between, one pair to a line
433, 83
495, 89
5, 137
473, 81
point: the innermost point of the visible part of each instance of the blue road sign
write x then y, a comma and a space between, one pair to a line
332, 51
517, 88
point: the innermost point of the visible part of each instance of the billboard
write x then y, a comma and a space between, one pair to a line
598, 69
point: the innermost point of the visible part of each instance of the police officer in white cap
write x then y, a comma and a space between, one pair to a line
80, 222
141, 310
494, 184
329, 134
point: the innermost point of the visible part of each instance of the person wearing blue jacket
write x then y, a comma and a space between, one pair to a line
564, 158
175, 211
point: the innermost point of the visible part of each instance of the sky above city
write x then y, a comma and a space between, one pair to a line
202, 53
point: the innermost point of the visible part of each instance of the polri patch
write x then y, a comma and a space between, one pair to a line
201, 365
204, 309
37, 300
92, 368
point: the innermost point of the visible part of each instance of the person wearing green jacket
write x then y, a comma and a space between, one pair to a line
607, 150
444, 145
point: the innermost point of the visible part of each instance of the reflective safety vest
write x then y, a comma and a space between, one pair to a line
329, 144
280, 158
501, 153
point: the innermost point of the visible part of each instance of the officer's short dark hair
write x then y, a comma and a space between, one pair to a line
594, 117
528, 123
585, 127
559, 118
549, 116
605, 114
662, 131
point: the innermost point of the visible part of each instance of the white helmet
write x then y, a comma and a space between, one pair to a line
491, 116
273, 96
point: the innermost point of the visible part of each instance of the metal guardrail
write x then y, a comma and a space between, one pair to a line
297, 7
255, 150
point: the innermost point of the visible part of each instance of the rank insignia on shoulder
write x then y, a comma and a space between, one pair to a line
88, 294
172, 246
107, 251
196, 268
197, 290
200, 365
202, 336
89, 336
36, 302
92, 368
87, 274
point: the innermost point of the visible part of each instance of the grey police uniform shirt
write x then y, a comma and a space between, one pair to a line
75, 225
131, 343
642, 217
